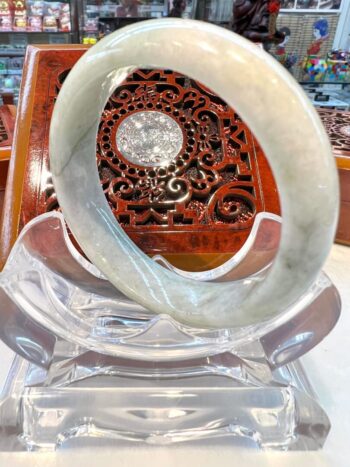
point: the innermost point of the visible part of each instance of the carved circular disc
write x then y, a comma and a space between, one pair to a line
345, 130
149, 138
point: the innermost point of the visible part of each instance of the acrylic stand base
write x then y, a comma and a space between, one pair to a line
93, 366
223, 403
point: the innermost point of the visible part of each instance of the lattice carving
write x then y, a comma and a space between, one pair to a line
4, 137
209, 183
7, 123
337, 124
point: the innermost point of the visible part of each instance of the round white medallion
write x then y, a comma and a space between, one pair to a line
149, 138
345, 130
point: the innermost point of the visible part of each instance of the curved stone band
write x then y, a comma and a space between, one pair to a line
279, 114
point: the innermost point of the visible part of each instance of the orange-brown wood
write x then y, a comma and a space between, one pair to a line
7, 119
26, 142
248, 189
7, 124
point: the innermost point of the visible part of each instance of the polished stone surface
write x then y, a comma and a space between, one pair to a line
278, 113
149, 138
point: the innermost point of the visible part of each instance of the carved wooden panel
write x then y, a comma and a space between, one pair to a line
202, 202
6, 126
214, 181
337, 124
4, 136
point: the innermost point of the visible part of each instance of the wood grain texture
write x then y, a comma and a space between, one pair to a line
25, 141
223, 177
194, 234
7, 125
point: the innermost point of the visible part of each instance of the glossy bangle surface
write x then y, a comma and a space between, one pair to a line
276, 110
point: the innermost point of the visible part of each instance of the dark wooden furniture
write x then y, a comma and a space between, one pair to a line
198, 210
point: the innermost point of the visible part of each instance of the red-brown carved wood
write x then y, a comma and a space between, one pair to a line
221, 176
337, 125
203, 203
7, 124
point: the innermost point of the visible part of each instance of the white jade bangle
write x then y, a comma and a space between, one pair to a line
279, 114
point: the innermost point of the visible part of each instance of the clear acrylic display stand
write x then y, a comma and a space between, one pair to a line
93, 364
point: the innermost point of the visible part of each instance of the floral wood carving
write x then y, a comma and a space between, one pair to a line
6, 126
213, 180
3, 133
200, 204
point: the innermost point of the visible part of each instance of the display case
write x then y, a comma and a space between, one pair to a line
24, 22
219, 11
100, 17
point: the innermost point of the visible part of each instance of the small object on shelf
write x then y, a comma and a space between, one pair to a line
36, 8
50, 24
128, 9
320, 97
89, 40
35, 23
338, 66
325, 4
15, 63
64, 18
287, 4
3, 64
7, 99
53, 9
19, 24
307, 4
315, 68
91, 25
5, 16
178, 8
19, 16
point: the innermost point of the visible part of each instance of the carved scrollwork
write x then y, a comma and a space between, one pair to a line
213, 180
231, 204
337, 124
4, 136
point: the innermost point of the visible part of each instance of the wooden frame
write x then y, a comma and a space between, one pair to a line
30, 192
191, 243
